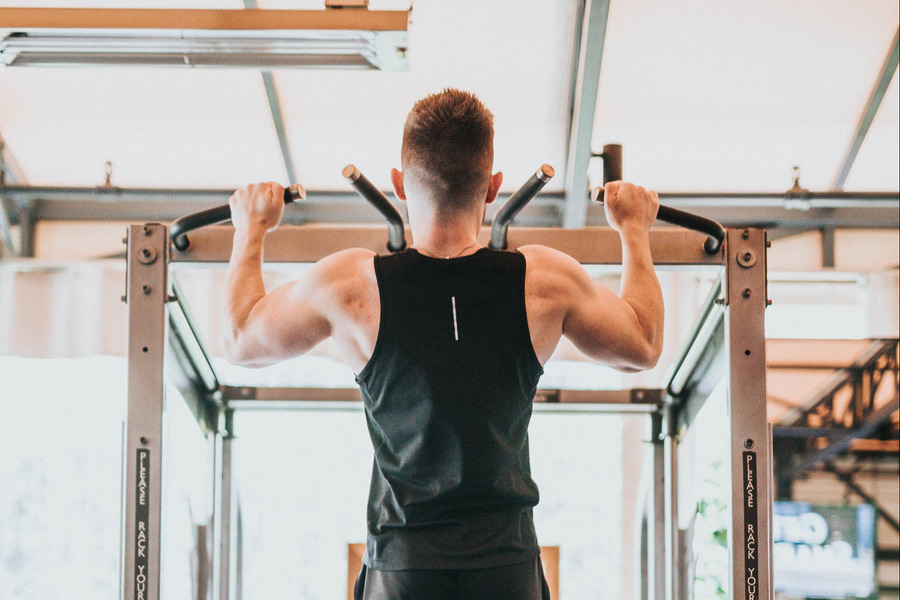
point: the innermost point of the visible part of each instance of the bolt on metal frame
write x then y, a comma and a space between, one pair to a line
729, 341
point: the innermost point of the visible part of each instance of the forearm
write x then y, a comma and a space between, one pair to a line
244, 286
640, 287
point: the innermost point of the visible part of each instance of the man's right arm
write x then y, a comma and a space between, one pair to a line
624, 331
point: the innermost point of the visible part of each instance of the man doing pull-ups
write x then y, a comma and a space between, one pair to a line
448, 340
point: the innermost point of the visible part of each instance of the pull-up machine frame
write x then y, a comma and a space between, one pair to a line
729, 339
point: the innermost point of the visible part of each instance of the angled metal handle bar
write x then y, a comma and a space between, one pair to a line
612, 171
181, 226
396, 233
517, 202
713, 229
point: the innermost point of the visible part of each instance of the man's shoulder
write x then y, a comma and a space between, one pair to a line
352, 266
347, 261
540, 257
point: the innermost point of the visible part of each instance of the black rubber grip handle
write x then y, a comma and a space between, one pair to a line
517, 202
217, 214
396, 233
713, 229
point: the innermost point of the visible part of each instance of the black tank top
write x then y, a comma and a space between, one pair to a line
447, 395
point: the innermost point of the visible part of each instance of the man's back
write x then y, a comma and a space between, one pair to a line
448, 394
560, 299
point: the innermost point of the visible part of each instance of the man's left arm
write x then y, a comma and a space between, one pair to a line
259, 328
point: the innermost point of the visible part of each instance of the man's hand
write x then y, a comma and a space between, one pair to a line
257, 207
629, 206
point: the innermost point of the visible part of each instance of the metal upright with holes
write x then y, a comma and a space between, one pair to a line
751, 446
728, 341
146, 291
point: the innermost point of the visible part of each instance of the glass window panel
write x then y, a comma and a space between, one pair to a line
704, 482
304, 475
60, 477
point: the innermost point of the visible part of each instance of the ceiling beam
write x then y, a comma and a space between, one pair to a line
775, 216
865, 429
277, 115
203, 19
868, 115
865, 210
588, 59
322, 207
866, 360
278, 120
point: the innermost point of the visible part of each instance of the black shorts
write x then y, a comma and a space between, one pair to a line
523, 581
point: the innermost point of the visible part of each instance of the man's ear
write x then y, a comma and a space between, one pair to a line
494, 186
397, 182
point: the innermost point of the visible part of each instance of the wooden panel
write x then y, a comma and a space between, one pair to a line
243, 19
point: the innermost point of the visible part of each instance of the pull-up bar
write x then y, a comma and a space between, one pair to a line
396, 233
217, 214
612, 171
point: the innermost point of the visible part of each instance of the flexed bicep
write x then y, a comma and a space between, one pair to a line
279, 325
565, 301
608, 329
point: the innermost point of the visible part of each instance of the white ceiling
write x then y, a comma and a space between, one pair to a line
703, 95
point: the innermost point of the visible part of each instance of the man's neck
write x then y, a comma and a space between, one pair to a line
445, 239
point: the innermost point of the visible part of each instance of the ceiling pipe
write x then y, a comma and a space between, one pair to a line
827, 199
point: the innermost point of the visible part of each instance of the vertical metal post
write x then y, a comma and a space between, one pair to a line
239, 554
223, 514
27, 230
642, 571
146, 297
651, 527
746, 299
671, 535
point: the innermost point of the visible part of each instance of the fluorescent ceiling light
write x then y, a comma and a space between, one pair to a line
355, 38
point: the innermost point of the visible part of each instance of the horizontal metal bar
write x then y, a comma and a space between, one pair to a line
323, 207
775, 215
857, 210
809, 432
686, 200
217, 214
309, 243
180, 19
643, 397
774, 198
191, 60
547, 408
259, 395
806, 367
888, 554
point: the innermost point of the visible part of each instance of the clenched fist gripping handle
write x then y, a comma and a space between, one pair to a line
612, 171
217, 214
